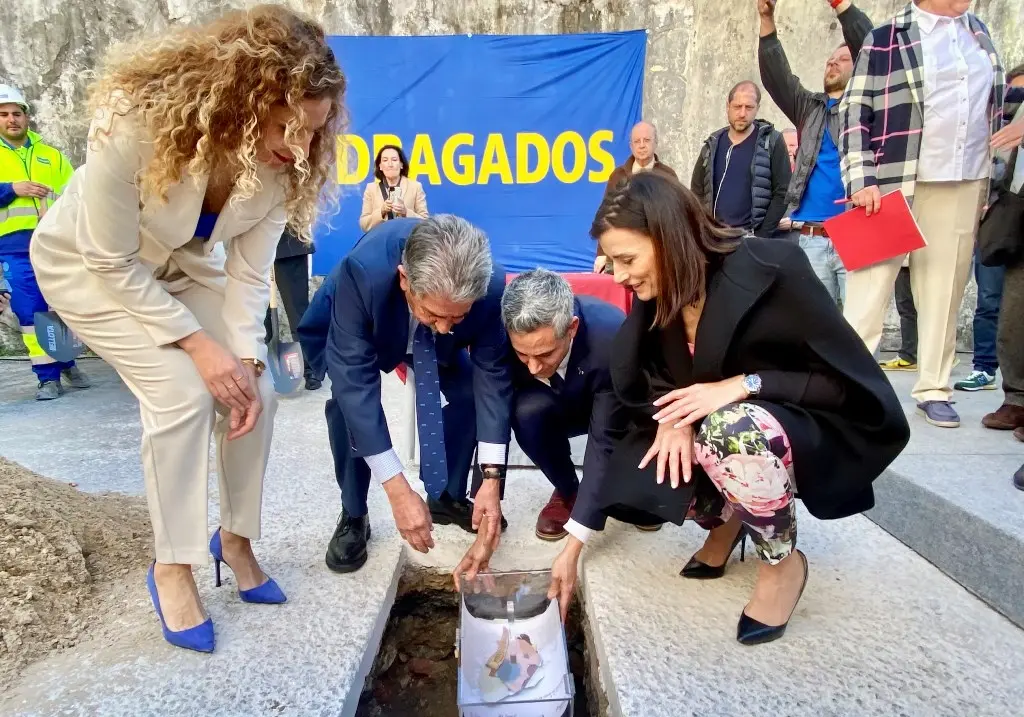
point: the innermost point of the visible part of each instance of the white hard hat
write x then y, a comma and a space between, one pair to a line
12, 96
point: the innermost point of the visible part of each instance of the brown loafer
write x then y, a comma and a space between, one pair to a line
1006, 418
553, 517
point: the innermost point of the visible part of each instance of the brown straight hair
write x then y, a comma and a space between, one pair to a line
686, 237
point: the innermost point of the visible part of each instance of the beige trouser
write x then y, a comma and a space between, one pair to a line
178, 412
948, 214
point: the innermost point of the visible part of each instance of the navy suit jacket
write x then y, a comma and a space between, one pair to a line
357, 326
588, 383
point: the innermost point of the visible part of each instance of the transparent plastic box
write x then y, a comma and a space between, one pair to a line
511, 648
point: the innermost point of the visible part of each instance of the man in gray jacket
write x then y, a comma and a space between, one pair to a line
817, 184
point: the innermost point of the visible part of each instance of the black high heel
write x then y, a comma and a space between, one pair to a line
751, 632
696, 570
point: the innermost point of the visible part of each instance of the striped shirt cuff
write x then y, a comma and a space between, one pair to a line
385, 466
493, 453
581, 532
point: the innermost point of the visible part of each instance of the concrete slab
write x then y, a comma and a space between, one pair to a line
879, 631
949, 496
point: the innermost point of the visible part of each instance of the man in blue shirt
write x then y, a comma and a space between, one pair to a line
817, 184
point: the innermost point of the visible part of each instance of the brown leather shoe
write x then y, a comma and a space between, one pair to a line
1006, 418
1019, 434
553, 517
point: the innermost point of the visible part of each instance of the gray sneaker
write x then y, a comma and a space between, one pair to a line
75, 378
49, 390
939, 413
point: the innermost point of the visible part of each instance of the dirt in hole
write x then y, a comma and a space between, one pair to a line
416, 671
64, 559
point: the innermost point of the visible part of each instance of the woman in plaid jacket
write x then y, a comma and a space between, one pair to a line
921, 115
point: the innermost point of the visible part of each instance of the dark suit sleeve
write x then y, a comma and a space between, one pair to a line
781, 174
608, 422
352, 364
492, 370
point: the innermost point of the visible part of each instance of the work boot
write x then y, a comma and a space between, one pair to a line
553, 517
447, 511
75, 378
49, 390
346, 552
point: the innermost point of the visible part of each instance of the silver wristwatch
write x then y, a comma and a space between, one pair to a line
752, 384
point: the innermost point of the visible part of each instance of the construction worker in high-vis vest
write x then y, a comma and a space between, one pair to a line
32, 175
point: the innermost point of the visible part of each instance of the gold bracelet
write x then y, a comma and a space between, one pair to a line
257, 365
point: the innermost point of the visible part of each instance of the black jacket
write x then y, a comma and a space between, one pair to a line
771, 174
765, 313
290, 245
588, 387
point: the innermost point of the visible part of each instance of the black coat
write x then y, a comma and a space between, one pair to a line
767, 313
290, 246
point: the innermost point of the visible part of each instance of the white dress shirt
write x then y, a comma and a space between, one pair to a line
387, 465
1018, 174
957, 89
561, 367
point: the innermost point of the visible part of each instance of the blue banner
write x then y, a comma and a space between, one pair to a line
518, 134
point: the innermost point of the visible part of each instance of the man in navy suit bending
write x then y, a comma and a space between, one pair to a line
561, 383
419, 292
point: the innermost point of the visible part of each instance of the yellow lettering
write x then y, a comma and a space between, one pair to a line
579, 159
422, 159
495, 161
466, 161
379, 140
353, 159
524, 141
603, 156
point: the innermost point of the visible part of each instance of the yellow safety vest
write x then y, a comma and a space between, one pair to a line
36, 162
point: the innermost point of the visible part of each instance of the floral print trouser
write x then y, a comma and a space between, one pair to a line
746, 454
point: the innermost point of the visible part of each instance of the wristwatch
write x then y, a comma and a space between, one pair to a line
257, 365
491, 471
752, 384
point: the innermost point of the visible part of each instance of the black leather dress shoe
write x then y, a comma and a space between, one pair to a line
313, 384
696, 570
446, 511
1018, 478
751, 632
346, 552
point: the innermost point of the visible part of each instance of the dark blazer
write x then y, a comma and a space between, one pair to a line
766, 313
290, 246
588, 384
357, 326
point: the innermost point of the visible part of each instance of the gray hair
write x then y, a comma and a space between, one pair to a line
537, 299
446, 256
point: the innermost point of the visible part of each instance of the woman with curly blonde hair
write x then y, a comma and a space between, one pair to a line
204, 144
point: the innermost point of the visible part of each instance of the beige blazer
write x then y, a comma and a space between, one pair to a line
101, 237
413, 196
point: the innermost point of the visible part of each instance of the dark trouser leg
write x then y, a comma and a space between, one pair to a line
542, 430
908, 316
26, 300
1011, 335
292, 278
459, 417
352, 473
986, 315
746, 435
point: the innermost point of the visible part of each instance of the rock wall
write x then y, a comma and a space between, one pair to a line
696, 48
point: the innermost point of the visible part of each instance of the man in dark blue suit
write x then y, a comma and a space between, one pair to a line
419, 292
561, 383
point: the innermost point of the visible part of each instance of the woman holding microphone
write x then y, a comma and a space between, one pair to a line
393, 194
204, 144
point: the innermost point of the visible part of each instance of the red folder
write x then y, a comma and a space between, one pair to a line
862, 241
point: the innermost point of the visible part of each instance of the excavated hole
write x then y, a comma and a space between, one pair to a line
415, 671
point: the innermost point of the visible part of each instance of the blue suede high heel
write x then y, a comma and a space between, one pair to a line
199, 638
266, 594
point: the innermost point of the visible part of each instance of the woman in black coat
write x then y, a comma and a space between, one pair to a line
740, 373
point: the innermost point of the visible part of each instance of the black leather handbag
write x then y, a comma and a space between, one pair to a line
1001, 234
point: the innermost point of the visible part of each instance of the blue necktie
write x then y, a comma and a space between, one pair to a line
433, 460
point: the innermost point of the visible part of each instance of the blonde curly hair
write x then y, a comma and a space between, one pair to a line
204, 94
